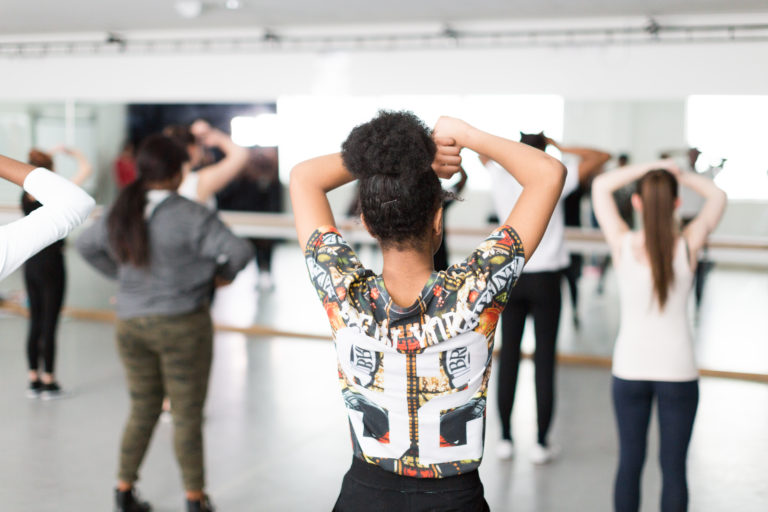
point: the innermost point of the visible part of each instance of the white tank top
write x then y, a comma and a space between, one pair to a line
653, 344
188, 189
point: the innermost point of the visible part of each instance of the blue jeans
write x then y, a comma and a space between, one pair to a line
632, 401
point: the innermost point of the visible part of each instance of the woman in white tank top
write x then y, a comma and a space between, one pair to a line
653, 357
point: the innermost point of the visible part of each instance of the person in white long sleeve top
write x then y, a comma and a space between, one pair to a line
65, 206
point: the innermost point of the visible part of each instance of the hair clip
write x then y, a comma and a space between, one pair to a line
388, 202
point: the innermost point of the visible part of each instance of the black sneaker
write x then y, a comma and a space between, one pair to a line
128, 501
33, 391
51, 391
204, 505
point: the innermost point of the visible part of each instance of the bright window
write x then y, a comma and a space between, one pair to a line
316, 125
260, 130
732, 127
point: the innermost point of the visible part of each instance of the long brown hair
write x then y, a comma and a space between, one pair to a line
658, 191
158, 159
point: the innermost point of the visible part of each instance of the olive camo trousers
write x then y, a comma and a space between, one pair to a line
166, 356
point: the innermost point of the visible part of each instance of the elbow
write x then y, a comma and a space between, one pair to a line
295, 178
87, 207
298, 177
599, 183
558, 173
242, 155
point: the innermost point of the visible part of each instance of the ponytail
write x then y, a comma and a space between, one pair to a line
158, 160
126, 226
658, 191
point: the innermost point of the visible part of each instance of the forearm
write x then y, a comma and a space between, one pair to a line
311, 180
235, 157
14, 171
609, 182
84, 168
529, 166
585, 152
321, 174
215, 177
702, 185
230, 149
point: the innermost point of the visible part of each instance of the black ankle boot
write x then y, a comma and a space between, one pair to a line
204, 505
128, 501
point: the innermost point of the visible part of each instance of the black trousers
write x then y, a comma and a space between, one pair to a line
45, 279
537, 294
263, 249
572, 274
368, 488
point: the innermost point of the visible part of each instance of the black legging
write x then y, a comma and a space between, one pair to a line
263, 249
538, 294
572, 274
45, 278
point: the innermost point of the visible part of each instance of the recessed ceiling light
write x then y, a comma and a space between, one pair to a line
233, 4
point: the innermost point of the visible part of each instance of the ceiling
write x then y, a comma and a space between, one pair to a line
67, 16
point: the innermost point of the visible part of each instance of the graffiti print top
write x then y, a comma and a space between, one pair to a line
414, 380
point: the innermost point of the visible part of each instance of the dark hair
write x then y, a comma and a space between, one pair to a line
392, 156
180, 133
537, 140
158, 159
658, 191
40, 159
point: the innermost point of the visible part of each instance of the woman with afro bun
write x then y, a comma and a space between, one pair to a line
414, 345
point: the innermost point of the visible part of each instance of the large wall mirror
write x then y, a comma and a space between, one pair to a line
730, 325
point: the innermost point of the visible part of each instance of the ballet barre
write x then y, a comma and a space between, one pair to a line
737, 250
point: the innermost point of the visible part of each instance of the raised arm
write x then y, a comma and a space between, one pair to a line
65, 206
311, 180
84, 167
697, 231
592, 160
215, 177
540, 175
14, 171
606, 211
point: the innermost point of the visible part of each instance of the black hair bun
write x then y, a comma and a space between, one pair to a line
392, 143
536, 140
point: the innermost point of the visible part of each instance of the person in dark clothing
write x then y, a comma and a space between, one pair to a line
441, 256
257, 189
537, 295
45, 280
590, 164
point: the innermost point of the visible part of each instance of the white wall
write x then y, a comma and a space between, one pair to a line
627, 98
613, 72
639, 128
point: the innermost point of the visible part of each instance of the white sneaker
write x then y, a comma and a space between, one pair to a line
543, 454
505, 449
265, 281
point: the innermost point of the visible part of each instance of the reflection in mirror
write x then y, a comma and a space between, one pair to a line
725, 129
